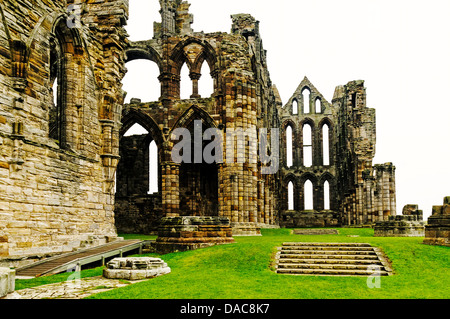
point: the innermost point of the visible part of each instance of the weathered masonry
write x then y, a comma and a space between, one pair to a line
242, 98
328, 178
70, 176
60, 112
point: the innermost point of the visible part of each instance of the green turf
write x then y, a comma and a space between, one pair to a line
243, 271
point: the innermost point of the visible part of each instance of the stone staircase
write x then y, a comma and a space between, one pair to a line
332, 259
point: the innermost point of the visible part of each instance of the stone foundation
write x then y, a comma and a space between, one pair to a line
316, 232
135, 268
245, 229
410, 224
299, 219
437, 230
192, 232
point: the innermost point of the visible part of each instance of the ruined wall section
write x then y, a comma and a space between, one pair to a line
366, 192
55, 193
243, 98
299, 111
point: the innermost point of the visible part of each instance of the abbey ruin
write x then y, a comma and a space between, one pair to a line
69, 176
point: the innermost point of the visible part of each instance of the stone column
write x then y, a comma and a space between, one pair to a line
195, 77
170, 189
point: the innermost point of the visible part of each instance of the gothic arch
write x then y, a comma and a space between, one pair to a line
327, 177
132, 116
190, 115
178, 56
147, 53
290, 178
320, 147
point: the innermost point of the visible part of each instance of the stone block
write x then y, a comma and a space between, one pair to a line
437, 230
192, 232
7, 281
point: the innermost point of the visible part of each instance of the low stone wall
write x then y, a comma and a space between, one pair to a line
7, 281
192, 232
299, 219
410, 224
245, 229
316, 232
437, 230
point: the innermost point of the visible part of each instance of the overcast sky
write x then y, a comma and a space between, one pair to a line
401, 48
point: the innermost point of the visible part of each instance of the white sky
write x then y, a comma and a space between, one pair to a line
401, 48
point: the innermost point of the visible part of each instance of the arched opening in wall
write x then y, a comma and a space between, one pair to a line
136, 129
307, 145
185, 83
153, 170
308, 192
206, 82
318, 106
138, 169
138, 199
55, 92
289, 147
295, 107
306, 93
290, 196
55, 111
199, 180
326, 195
141, 81
326, 145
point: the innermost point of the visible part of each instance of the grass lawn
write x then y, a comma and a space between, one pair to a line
243, 271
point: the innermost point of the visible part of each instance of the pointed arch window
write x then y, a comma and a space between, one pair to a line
326, 145
153, 168
318, 106
306, 93
326, 195
290, 196
289, 147
308, 192
66, 81
206, 82
295, 107
185, 83
307, 145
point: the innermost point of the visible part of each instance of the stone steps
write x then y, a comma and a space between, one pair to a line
332, 259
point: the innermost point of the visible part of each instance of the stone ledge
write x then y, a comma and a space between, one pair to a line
316, 232
192, 232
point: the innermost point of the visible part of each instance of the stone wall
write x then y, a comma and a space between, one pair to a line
437, 230
7, 282
358, 191
243, 98
58, 144
409, 224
